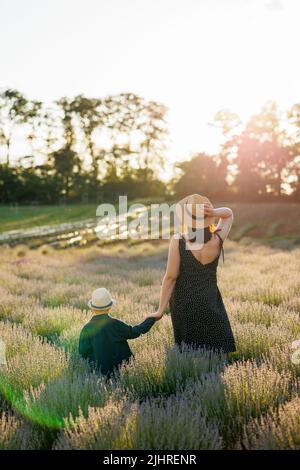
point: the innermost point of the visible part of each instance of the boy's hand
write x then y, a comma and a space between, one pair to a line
156, 315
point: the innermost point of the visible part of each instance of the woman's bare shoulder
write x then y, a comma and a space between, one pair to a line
174, 241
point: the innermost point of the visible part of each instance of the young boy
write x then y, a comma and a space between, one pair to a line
103, 339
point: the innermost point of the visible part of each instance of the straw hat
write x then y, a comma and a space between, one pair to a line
101, 299
189, 212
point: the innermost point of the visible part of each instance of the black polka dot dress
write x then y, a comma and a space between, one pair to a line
198, 313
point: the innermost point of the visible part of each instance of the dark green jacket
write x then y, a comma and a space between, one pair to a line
103, 340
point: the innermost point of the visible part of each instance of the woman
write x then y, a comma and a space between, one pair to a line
198, 314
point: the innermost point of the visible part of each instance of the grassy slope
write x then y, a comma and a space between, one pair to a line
20, 217
265, 220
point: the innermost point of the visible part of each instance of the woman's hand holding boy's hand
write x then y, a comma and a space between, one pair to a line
156, 315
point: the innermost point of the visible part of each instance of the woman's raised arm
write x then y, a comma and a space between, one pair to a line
225, 215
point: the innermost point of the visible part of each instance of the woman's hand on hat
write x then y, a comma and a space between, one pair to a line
208, 209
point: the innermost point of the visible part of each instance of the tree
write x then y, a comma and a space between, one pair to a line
294, 166
33, 120
138, 127
257, 153
230, 124
199, 175
250, 181
154, 130
65, 164
15, 110
90, 118
9, 184
50, 129
274, 150
66, 105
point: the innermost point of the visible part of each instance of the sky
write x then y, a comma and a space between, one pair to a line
195, 56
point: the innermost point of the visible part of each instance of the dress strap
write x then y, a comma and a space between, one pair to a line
182, 237
221, 240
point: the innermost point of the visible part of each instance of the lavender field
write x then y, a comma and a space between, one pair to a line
51, 399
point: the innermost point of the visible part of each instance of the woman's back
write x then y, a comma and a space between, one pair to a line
209, 250
198, 314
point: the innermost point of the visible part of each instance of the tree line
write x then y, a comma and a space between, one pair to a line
92, 149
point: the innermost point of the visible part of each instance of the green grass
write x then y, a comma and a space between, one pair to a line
21, 217
18, 217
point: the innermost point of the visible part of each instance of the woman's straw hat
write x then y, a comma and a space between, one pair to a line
101, 299
189, 212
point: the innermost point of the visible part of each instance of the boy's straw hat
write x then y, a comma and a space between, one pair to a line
101, 299
187, 210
